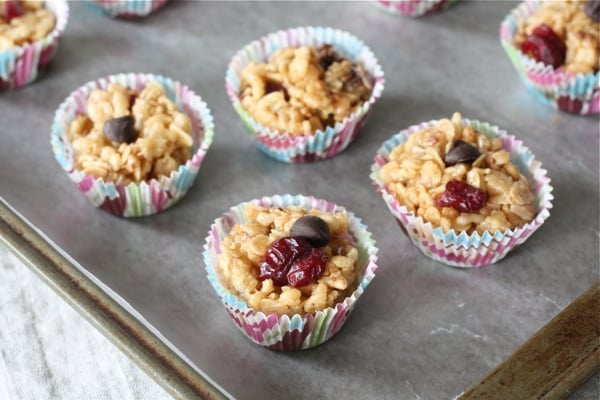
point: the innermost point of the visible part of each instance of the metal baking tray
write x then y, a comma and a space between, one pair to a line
422, 329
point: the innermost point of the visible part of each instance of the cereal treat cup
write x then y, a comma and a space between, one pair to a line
291, 79
569, 79
287, 317
126, 8
132, 143
465, 192
412, 8
29, 36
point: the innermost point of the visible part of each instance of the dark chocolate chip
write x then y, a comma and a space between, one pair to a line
327, 56
592, 9
271, 87
313, 229
120, 129
461, 152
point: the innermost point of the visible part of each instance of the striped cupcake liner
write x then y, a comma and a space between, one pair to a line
22, 65
297, 332
563, 90
298, 147
412, 8
460, 249
126, 8
135, 199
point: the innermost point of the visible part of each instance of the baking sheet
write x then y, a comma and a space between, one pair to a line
421, 329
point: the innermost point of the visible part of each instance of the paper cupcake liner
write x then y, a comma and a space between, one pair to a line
126, 8
22, 65
146, 198
323, 144
412, 8
460, 249
298, 332
565, 91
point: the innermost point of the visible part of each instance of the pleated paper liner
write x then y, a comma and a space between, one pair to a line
298, 148
145, 198
460, 249
22, 65
412, 8
563, 90
300, 331
126, 8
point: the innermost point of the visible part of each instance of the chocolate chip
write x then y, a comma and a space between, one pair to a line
271, 87
120, 129
592, 9
461, 152
327, 56
313, 229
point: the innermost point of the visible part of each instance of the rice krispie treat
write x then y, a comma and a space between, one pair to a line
289, 260
301, 90
563, 34
23, 22
126, 136
457, 178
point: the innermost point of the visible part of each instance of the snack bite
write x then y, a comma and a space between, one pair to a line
304, 93
465, 192
128, 9
412, 8
132, 143
289, 269
555, 47
29, 36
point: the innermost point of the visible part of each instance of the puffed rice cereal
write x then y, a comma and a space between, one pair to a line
246, 244
35, 23
303, 89
416, 175
579, 32
163, 141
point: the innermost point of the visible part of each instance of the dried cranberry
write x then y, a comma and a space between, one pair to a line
11, 9
462, 197
307, 268
546, 46
279, 258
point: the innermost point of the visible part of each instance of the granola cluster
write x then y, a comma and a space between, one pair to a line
162, 140
416, 174
575, 28
246, 244
33, 22
303, 89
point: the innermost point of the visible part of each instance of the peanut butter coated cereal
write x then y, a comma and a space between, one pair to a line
32, 22
303, 89
416, 175
246, 244
578, 31
163, 133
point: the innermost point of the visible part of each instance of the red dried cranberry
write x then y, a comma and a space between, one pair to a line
462, 197
10, 9
279, 258
307, 268
546, 46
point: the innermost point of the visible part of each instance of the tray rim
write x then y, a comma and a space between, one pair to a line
134, 339
178, 378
